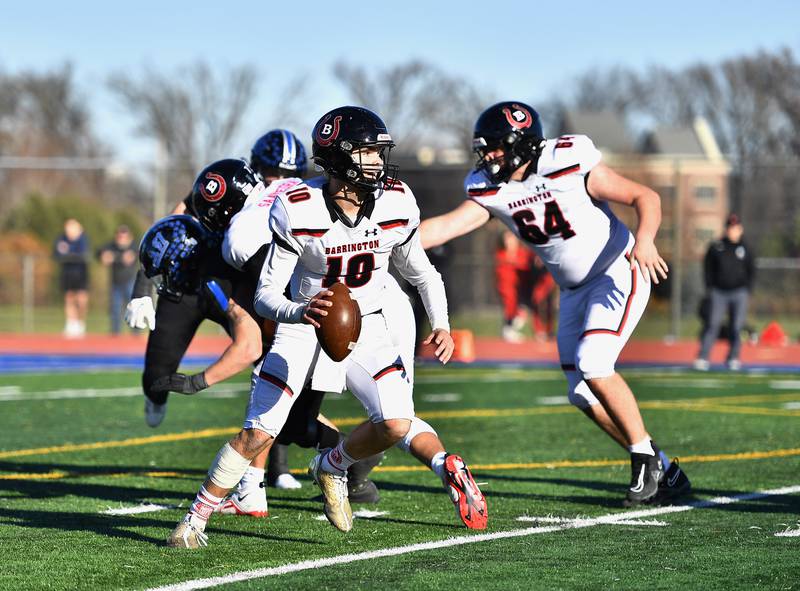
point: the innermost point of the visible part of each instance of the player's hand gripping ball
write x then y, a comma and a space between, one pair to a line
339, 330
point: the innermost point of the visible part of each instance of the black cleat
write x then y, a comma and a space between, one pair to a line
363, 491
646, 473
674, 484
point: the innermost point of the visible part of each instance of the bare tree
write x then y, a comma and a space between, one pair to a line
195, 112
420, 103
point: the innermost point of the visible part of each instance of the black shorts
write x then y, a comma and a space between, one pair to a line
74, 278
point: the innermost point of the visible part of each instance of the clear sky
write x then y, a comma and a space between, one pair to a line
524, 50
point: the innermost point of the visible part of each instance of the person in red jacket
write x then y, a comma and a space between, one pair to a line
512, 261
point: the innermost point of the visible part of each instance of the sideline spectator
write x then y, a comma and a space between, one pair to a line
121, 256
542, 296
71, 250
512, 262
729, 268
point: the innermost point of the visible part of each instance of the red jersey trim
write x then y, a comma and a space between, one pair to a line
628, 301
389, 224
275, 381
387, 370
316, 233
563, 171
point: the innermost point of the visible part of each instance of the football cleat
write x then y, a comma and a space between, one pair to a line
674, 484
252, 503
646, 474
334, 492
286, 481
187, 535
362, 491
154, 413
464, 492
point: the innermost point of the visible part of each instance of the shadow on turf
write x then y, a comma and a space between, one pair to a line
113, 526
72, 485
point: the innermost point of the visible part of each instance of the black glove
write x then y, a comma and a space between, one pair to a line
179, 382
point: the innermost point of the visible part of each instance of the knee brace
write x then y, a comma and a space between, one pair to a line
596, 357
578, 391
228, 468
418, 426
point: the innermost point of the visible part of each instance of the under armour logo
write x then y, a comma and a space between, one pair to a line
540, 188
368, 233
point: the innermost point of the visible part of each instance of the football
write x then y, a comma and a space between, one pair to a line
339, 330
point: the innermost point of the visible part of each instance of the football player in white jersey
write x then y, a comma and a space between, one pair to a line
554, 194
344, 227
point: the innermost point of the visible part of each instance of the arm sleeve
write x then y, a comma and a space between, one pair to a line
413, 264
708, 272
142, 286
751, 268
281, 260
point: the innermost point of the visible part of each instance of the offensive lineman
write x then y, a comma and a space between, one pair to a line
554, 194
343, 227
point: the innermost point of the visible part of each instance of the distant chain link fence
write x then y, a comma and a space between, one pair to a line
29, 283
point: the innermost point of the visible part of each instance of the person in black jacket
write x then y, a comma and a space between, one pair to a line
729, 274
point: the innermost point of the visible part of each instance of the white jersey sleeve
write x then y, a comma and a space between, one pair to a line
414, 265
282, 257
568, 154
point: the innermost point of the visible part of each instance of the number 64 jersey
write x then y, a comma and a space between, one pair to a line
315, 245
576, 236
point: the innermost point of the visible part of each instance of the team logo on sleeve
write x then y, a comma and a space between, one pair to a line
213, 189
327, 132
519, 118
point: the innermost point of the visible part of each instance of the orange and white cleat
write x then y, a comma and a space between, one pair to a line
253, 504
465, 494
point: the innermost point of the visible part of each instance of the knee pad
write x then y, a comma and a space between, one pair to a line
578, 391
418, 426
228, 468
595, 365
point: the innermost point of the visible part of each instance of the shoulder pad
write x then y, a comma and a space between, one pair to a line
568, 154
477, 184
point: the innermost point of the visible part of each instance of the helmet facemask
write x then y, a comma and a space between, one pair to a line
370, 165
517, 149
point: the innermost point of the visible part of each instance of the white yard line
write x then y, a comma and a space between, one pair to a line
789, 533
579, 519
145, 508
462, 540
9, 395
785, 384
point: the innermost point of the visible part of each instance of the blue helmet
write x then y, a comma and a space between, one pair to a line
172, 252
278, 153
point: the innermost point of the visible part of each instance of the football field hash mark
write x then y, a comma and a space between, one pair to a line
610, 518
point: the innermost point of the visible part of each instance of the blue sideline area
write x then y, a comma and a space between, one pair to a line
84, 363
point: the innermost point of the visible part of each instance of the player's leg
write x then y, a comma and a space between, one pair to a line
274, 384
424, 443
718, 308
738, 300
176, 324
615, 303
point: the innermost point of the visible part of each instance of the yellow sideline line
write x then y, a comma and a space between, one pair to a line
697, 405
734, 457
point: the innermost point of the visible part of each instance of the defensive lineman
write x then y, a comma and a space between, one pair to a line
554, 194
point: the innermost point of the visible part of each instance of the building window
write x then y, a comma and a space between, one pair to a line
666, 192
705, 192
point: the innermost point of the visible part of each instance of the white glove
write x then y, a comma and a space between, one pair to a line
140, 313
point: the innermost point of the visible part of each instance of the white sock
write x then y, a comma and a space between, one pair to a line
337, 460
643, 447
202, 507
664, 460
437, 463
252, 479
